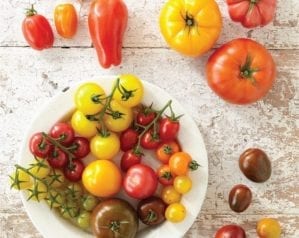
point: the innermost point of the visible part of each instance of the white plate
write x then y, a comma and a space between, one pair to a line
51, 225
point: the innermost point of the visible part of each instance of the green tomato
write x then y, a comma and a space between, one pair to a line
83, 220
89, 202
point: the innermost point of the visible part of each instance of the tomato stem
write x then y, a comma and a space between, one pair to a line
151, 216
246, 71
31, 11
18, 167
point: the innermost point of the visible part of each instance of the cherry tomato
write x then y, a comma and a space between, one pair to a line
73, 170
119, 119
83, 126
89, 98
168, 129
39, 146
164, 175
20, 180
268, 228
66, 20
38, 191
130, 90
57, 158
130, 158
128, 139
169, 195
230, 231
182, 184
140, 181
40, 168
239, 198
165, 151
149, 140
175, 212
81, 147
181, 162
102, 178
37, 30
62, 132
55, 179
105, 146
145, 116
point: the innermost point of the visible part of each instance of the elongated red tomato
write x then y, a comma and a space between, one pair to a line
241, 71
37, 30
252, 13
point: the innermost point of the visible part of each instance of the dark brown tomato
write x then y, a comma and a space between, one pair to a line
255, 165
114, 218
151, 211
239, 198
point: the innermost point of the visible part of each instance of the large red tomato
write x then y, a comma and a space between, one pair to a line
252, 13
241, 71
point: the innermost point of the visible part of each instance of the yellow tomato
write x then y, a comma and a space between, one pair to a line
182, 184
89, 98
120, 119
102, 178
38, 191
40, 168
20, 180
170, 195
191, 27
55, 179
130, 90
175, 212
83, 126
54, 198
268, 228
105, 146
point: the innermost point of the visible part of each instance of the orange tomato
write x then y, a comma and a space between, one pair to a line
181, 162
66, 20
165, 151
102, 178
268, 228
164, 175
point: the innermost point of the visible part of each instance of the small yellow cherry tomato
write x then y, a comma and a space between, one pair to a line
130, 90
89, 98
54, 199
83, 126
170, 195
175, 212
182, 184
268, 228
40, 168
55, 179
20, 180
105, 146
38, 191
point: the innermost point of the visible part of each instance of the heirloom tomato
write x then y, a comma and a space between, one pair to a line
230, 231
166, 150
181, 162
175, 212
83, 126
241, 71
268, 228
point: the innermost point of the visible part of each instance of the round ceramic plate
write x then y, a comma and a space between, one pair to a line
52, 225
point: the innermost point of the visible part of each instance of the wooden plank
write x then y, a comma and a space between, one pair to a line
143, 27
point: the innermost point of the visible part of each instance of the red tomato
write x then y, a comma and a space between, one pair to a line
252, 13
164, 175
37, 30
73, 170
145, 117
241, 71
81, 147
168, 129
128, 139
62, 132
57, 158
39, 146
140, 181
230, 231
130, 158
150, 141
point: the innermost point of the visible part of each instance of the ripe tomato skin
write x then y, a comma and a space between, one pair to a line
128, 139
241, 71
182, 184
144, 118
230, 231
164, 175
37, 30
149, 141
82, 147
130, 158
179, 163
57, 158
268, 228
66, 20
39, 146
165, 150
73, 170
63, 132
140, 181
168, 129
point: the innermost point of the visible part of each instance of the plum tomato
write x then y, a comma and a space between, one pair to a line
268, 228
83, 126
149, 140
151, 211
230, 231
168, 129
181, 162
169, 195
63, 132
164, 175
239, 198
182, 184
73, 170
39, 145
102, 178
140, 181
128, 139
165, 150
145, 116
130, 158
57, 158
175, 212
80, 147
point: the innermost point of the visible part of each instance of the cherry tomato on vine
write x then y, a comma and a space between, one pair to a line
230, 231
168, 129
150, 141
164, 175
81, 147
182, 184
62, 132
130, 90
38, 191
20, 180
83, 126
39, 146
130, 158
181, 162
57, 158
73, 170
175, 212
169, 195
268, 228
40, 168
165, 150
105, 146
128, 139
145, 116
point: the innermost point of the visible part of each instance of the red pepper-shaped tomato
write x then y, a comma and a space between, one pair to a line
107, 22
37, 30
252, 13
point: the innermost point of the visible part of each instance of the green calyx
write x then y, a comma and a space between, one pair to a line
31, 11
247, 72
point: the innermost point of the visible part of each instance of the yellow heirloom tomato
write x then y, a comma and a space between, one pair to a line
268, 228
190, 27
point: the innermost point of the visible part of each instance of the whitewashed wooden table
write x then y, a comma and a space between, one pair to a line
29, 78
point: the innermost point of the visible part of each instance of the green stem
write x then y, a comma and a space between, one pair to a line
31, 11
29, 173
